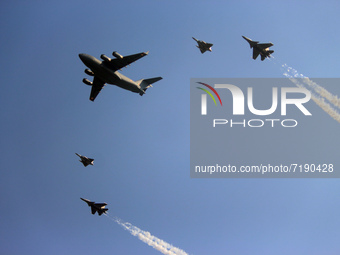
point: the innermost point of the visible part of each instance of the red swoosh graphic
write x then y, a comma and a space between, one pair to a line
212, 90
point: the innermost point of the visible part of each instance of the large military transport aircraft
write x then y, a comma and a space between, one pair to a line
260, 48
106, 72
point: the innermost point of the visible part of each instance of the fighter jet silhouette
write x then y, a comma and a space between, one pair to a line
203, 46
260, 48
85, 160
96, 207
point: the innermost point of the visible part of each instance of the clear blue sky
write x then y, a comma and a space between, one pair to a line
141, 144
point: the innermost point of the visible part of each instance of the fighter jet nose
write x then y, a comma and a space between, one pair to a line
85, 200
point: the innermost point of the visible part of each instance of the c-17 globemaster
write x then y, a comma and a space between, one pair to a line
106, 71
203, 46
260, 48
96, 207
85, 160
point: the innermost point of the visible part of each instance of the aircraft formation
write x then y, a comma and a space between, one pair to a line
106, 71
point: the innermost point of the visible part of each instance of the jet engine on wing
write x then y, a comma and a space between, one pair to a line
117, 55
105, 58
89, 72
87, 82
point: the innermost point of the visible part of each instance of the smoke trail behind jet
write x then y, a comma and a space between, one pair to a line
289, 71
322, 92
149, 239
319, 94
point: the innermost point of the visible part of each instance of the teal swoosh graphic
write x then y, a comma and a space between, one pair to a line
208, 92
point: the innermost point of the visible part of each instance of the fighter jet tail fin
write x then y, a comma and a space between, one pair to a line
146, 83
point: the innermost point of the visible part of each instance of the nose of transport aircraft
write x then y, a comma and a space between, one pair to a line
88, 60
82, 56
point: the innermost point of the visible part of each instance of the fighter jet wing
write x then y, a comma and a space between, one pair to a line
209, 45
93, 210
84, 163
202, 50
101, 205
96, 88
118, 63
255, 53
265, 45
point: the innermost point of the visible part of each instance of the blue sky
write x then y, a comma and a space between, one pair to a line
141, 145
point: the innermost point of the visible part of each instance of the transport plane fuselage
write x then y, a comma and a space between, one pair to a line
101, 70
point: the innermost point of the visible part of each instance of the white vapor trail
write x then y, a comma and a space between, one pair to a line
319, 94
149, 239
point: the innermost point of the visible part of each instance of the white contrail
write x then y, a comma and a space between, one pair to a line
323, 92
317, 88
149, 239
302, 80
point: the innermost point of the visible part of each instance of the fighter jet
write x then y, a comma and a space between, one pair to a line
203, 46
85, 160
260, 48
96, 207
106, 72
